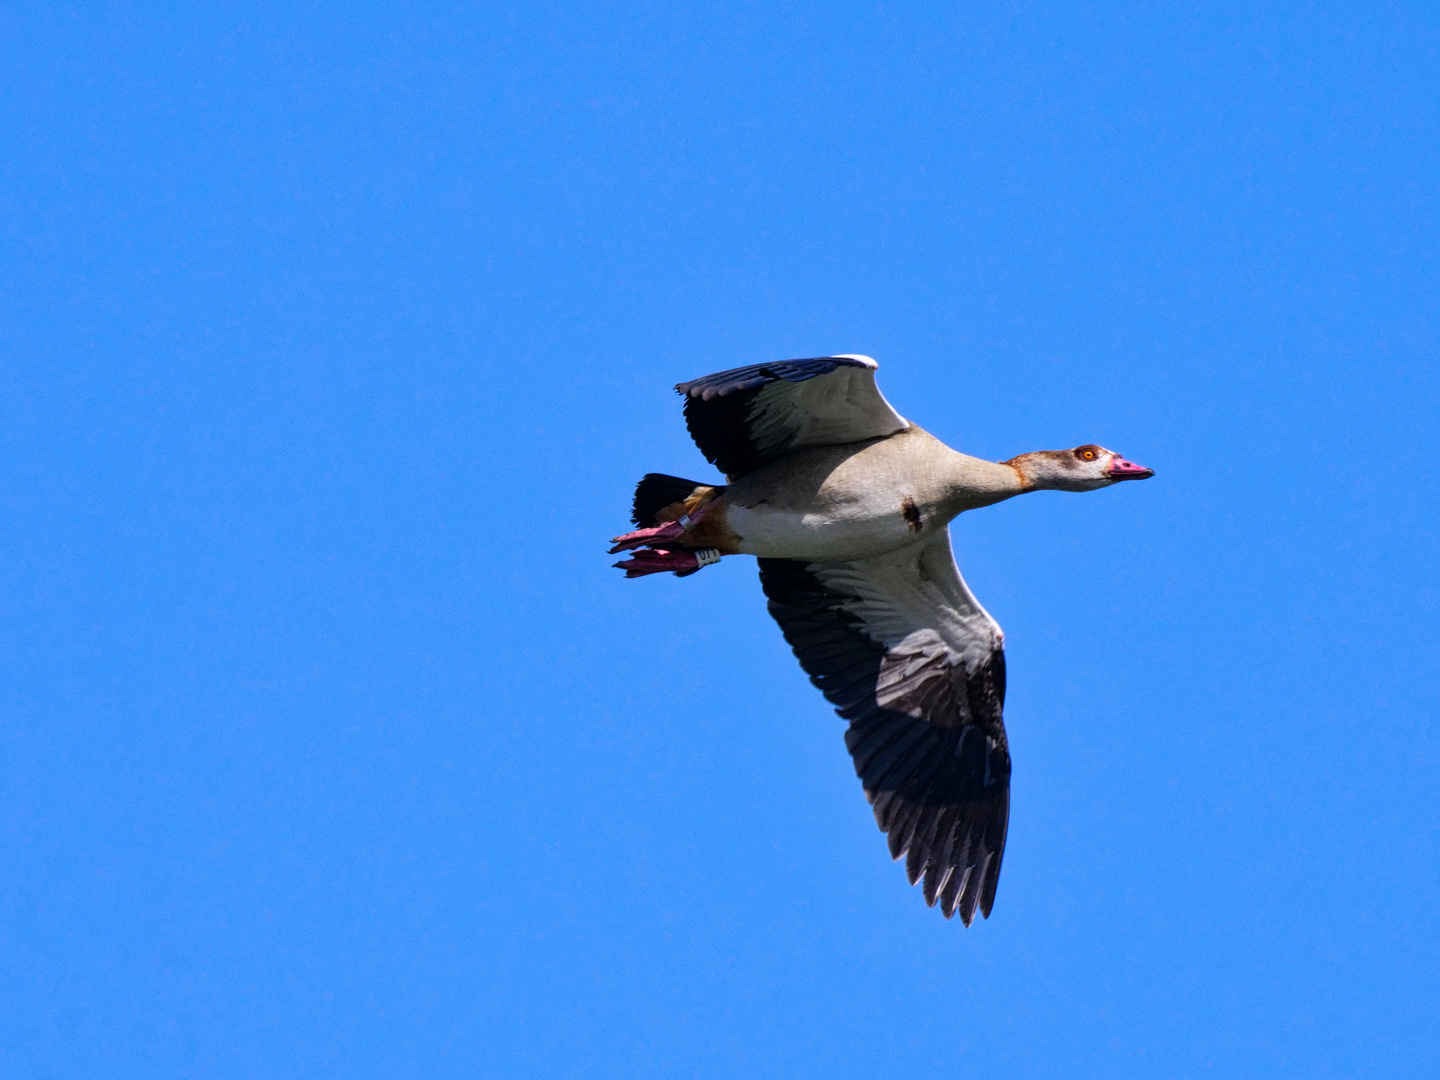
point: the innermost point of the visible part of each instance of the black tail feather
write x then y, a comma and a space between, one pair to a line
657, 491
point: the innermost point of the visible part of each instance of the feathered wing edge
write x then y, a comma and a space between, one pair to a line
742, 418
926, 733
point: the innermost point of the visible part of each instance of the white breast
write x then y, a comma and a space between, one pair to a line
840, 503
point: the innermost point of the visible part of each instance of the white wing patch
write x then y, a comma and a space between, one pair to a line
915, 601
841, 407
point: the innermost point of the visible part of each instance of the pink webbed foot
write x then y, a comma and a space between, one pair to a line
670, 530
653, 561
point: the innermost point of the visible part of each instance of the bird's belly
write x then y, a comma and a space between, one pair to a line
836, 503
829, 534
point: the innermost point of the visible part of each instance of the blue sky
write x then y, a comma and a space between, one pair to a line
336, 337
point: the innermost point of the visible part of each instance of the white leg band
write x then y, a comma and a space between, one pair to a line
706, 556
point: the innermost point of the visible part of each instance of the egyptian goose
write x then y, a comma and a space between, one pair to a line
847, 505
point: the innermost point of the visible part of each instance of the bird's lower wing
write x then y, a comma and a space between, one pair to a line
905, 653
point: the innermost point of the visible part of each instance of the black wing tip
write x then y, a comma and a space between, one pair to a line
723, 383
961, 882
717, 427
953, 890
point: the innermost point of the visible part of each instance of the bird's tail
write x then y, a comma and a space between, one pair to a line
657, 493
667, 509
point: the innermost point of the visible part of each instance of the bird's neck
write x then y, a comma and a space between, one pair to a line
974, 482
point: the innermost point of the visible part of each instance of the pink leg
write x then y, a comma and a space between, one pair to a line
651, 561
671, 530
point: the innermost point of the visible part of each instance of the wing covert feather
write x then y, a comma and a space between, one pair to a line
742, 418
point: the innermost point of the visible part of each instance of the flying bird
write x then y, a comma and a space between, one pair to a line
847, 505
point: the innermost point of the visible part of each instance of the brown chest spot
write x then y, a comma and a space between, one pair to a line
911, 513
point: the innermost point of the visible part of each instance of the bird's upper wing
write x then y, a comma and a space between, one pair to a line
907, 655
743, 418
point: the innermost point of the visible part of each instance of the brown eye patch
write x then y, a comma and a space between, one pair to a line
1087, 453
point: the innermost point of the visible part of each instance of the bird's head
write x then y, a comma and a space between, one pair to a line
1085, 468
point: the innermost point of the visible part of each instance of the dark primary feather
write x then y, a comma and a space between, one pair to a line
933, 760
719, 409
754, 376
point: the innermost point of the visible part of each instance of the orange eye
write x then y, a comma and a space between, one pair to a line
1087, 454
